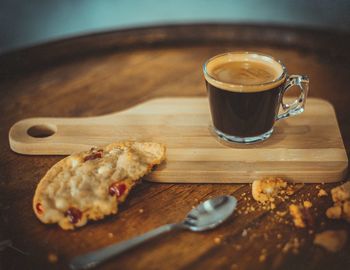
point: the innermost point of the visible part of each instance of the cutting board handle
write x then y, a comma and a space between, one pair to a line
47, 135
144, 121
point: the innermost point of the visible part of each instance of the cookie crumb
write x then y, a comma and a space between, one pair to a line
52, 257
301, 215
322, 193
293, 245
307, 204
334, 212
346, 211
281, 213
262, 257
295, 212
266, 237
332, 241
238, 247
234, 266
217, 240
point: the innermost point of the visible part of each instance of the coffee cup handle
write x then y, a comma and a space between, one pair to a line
297, 106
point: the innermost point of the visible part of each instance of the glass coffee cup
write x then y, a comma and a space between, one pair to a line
245, 91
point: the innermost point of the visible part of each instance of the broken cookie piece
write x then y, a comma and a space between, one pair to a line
341, 206
267, 190
90, 185
341, 193
332, 241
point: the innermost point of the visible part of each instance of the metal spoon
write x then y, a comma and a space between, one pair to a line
205, 216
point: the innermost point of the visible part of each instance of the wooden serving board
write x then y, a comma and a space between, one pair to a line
306, 148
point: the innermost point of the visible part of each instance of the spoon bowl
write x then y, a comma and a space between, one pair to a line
210, 213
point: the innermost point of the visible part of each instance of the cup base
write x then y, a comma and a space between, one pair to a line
245, 140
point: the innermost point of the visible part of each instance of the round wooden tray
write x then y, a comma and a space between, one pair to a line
102, 73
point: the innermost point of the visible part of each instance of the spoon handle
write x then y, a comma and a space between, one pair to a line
96, 257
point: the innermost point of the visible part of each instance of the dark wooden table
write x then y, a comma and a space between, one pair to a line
103, 73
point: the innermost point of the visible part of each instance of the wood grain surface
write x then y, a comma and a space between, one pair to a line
301, 149
99, 74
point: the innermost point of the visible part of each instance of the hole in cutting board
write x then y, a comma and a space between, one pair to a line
42, 131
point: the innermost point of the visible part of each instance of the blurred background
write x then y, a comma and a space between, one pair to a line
29, 22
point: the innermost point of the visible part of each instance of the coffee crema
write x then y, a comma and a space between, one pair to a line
243, 72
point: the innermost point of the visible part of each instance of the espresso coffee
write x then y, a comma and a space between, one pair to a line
244, 93
244, 114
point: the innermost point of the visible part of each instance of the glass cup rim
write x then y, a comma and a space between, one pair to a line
240, 86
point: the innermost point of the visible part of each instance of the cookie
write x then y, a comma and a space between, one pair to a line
90, 185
